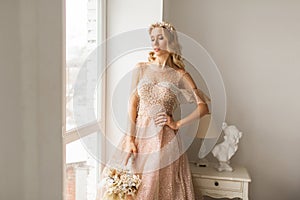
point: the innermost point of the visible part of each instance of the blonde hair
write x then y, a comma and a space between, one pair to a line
174, 60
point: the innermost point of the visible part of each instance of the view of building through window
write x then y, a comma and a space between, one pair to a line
81, 40
81, 172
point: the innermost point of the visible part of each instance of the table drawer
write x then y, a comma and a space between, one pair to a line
217, 184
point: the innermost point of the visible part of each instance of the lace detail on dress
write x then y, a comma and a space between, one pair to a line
165, 88
151, 93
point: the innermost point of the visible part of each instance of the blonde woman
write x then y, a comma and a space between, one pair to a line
158, 87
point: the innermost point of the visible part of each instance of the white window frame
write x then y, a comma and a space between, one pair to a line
72, 135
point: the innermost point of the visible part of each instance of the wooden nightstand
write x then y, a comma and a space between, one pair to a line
209, 182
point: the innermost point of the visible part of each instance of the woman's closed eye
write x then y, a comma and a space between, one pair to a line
161, 37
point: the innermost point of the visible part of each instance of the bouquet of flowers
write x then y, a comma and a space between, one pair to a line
120, 184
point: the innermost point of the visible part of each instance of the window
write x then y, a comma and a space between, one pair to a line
85, 29
84, 110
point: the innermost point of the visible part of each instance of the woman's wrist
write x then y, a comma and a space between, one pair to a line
130, 139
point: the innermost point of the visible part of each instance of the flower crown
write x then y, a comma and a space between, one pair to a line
165, 25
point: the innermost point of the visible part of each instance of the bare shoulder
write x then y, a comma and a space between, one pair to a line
142, 64
182, 72
139, 64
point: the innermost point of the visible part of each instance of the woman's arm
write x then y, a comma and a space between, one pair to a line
133, 104
200, 111
164, 119
132, 112
134, 100
130, 143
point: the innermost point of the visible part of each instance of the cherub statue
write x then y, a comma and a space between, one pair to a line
225, 150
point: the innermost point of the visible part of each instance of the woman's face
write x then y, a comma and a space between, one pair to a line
159, 42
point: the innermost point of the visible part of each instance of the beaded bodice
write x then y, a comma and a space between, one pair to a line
157, 90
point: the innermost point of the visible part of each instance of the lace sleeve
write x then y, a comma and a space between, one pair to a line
136, 76
133, 101
189, 93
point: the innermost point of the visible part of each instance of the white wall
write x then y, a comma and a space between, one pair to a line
31, 99
256, 46
128, 15
124, 16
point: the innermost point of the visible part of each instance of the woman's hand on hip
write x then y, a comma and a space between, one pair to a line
164, 119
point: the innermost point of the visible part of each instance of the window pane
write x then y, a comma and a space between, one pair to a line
81, 41
81, 169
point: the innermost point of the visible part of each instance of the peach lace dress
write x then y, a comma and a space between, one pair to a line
161, 161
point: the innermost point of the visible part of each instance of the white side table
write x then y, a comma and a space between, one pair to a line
208, 181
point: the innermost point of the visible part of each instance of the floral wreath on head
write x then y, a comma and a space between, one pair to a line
163, 24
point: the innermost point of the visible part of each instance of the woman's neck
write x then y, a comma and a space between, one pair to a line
161, 60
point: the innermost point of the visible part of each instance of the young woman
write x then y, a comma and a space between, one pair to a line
158, 87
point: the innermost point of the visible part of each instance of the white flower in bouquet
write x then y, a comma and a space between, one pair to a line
120, 183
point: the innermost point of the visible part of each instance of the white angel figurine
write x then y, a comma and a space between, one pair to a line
225, 150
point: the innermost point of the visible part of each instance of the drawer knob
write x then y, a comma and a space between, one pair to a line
216, 183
